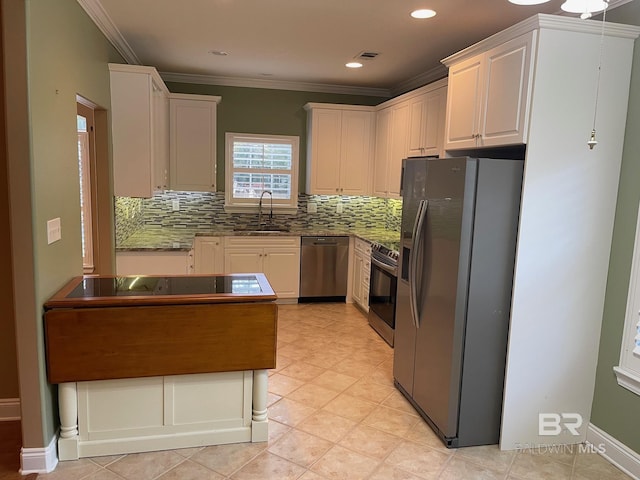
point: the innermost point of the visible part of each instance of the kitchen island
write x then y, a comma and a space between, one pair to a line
148, 363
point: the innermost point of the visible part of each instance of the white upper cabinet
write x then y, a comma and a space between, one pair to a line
391, 147
339, 149
193, 142
489, 94
139, 130
426, 123
411, 125
383, 152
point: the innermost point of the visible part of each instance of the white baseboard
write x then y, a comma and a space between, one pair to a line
615, 451
39, 460
9, 409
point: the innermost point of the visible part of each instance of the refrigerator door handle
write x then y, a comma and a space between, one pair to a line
416, 241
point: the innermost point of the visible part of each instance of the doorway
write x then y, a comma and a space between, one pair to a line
96, 200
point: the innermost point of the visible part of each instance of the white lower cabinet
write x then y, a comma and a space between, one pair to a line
278, 258
361, 273
208, 255
153, 263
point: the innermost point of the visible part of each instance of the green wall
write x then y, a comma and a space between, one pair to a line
616, 410
66, 55
265, 111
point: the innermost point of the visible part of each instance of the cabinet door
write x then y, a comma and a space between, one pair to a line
324, 160
382, 152
209, 255
243, 261
426, 123
399, 139
282, 269
417, 125
463, 103
356, 159
160, 139
433, 132
193, 144
131, 125
506, 92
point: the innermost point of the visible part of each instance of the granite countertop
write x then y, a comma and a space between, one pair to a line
181, 239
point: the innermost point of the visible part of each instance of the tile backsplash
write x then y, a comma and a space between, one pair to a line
203, 210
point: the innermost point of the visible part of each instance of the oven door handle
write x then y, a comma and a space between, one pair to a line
383, 266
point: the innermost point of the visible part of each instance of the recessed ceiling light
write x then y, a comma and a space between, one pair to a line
220, 53
423, 13
353, 65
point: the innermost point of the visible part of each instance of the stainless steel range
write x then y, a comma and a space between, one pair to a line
382, 291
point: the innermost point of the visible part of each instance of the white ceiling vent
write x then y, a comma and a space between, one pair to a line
366, 55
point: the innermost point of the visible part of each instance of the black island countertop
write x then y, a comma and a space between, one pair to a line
111, 290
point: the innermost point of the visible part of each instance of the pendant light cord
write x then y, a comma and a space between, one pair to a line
595, 110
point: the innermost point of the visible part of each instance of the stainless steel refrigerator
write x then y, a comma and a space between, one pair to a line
458, 241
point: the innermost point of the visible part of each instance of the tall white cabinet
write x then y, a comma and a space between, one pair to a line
140, 130
536, 84
340, 149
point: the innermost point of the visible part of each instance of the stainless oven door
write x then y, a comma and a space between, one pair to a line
382, 292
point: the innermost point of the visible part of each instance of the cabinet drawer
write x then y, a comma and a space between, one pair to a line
262, 241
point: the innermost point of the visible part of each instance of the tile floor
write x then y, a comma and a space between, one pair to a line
335, 414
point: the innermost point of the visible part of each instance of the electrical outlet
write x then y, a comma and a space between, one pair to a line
175, 204
312, 207
339, 208
54, 230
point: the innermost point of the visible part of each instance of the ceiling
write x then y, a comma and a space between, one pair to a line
302, 44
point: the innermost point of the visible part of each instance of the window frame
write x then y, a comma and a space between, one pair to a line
628, 372
251, 205
86, 211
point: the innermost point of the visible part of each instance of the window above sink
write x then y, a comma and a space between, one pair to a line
255, 164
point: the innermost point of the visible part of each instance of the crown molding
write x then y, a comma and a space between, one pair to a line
540, 21
273, 84
103, 21
436, 73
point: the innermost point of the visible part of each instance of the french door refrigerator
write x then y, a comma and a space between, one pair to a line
458, 241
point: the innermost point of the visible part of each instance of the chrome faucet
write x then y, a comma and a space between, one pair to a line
260, 208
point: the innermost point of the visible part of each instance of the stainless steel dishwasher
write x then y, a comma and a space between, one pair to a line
324, 264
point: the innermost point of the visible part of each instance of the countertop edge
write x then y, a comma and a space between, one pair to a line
186, 246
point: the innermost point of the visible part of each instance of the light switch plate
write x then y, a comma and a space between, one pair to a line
312, 207
175, 204
339, 208
54, 230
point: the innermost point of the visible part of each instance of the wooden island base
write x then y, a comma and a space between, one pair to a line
156, 372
